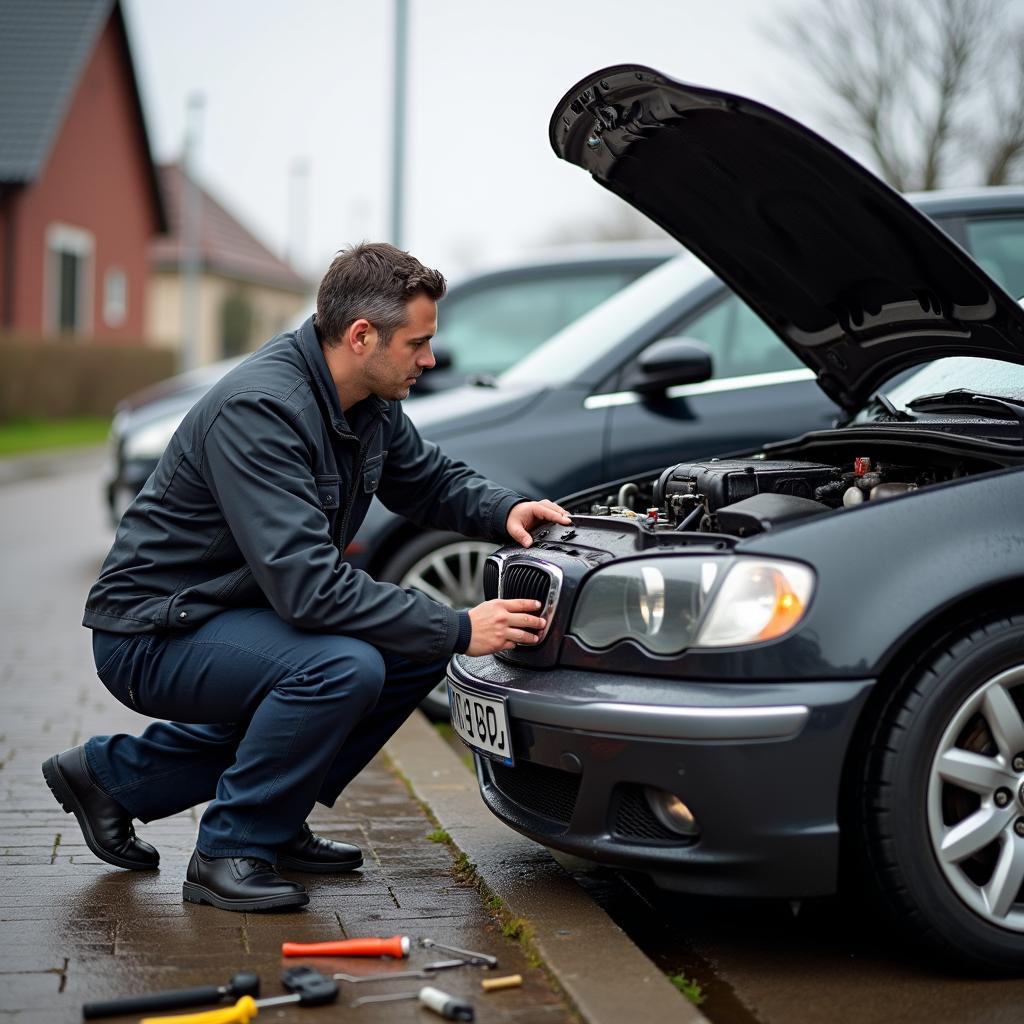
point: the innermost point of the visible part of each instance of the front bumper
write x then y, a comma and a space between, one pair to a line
759, 765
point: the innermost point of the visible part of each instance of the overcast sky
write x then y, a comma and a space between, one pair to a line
310, 81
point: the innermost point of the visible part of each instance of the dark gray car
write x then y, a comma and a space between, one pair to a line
800, 667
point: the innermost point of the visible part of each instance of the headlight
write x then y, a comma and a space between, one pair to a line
659, 603
150, 441
758, 600
667, 604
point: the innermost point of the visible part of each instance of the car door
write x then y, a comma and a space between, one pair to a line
759, 391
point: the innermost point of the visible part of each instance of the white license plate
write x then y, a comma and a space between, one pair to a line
481, 722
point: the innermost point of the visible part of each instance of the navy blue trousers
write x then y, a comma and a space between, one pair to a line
263, 719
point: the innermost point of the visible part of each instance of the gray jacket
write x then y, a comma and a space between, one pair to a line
259, 492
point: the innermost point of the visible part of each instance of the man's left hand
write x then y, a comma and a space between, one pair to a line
529, 514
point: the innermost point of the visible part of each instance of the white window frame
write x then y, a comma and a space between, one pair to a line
61, 238
115, 302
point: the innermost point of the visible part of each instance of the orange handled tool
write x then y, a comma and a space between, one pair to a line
397, 946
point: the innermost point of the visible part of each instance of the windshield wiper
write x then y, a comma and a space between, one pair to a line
483, 380
961, 401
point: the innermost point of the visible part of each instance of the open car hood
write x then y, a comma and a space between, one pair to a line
855, 281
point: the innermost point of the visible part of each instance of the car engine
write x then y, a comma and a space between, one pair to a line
743, 497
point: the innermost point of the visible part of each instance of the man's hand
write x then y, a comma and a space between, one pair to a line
501, 624
528, 514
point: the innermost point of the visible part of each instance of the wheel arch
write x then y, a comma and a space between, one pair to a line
915, 648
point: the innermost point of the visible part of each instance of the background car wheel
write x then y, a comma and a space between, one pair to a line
943, 799
449, 568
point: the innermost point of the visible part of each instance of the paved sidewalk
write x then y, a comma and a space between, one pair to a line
73, 929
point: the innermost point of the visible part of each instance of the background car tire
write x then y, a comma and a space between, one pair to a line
449, 568
940, 781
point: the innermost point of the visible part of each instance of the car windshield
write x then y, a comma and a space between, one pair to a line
960, 373
559, 359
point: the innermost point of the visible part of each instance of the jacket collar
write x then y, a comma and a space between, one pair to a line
308, 343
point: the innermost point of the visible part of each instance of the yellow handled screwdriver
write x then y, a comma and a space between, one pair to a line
308, 988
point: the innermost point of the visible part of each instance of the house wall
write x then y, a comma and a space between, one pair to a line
94, 182
273, 310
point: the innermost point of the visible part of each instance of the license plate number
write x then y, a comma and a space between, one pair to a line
481, 722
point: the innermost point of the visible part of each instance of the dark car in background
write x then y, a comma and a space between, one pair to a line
769, 673
488, 322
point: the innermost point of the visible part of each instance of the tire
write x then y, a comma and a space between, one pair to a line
449, 568
942, 799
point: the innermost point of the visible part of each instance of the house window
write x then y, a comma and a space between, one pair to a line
115, 297
68, 292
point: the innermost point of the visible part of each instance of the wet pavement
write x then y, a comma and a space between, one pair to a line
73, 929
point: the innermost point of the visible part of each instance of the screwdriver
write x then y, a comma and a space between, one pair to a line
308, 988
245, 983
397, 946
448, 1006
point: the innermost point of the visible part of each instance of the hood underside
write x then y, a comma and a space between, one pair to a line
855, 281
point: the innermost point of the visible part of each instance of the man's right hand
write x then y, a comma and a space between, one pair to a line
501, 624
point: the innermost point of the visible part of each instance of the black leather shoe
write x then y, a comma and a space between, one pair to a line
310, 852
239, 883
106, 825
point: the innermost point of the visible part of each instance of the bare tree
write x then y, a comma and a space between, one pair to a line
933, 90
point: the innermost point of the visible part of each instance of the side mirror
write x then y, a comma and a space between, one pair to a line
667, 363
443, 358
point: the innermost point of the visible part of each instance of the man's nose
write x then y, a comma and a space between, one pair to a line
426, 358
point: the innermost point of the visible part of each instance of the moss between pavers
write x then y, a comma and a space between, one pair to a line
464, 871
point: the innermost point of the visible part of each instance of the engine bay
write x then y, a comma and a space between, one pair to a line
740, 497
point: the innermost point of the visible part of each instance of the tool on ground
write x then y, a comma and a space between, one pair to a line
480, 959
448, 1006
496, 984
423, 972
308, 988
245, 983
397, 946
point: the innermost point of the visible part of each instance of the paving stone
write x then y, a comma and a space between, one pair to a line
74, 929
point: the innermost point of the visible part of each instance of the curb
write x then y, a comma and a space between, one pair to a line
602, 972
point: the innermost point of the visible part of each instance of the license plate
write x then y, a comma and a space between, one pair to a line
481, 722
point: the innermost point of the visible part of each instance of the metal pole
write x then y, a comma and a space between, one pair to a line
398, 121
190, 235
298, 202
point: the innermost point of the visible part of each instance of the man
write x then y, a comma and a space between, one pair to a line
225, 605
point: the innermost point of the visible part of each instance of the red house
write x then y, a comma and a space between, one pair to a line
79, 199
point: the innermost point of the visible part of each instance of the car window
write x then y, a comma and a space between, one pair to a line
998, 245
602, 329
741, 342
488, 329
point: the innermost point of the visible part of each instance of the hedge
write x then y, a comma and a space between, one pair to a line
59, 378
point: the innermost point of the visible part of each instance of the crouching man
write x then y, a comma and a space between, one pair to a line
225, 608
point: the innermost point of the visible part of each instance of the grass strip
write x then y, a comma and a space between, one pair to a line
18, 437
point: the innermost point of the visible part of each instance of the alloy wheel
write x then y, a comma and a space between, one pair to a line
976, 801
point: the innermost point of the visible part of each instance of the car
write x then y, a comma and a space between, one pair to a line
489, 320
791, 671
674, 366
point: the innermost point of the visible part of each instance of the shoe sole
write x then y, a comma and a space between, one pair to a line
64, 795
192, 892
313, 868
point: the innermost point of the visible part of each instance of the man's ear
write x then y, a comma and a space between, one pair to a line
359, 335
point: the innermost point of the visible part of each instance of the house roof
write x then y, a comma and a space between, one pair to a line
45, 46
226, 246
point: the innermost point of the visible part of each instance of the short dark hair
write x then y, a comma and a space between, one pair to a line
372, 281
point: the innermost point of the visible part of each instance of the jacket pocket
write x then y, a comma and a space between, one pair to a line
372, 470
328, 491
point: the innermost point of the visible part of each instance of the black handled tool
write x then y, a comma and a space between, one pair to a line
245, 983
308, 987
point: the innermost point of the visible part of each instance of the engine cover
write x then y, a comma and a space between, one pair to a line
725, 481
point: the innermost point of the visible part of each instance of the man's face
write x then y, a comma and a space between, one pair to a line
391, 370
